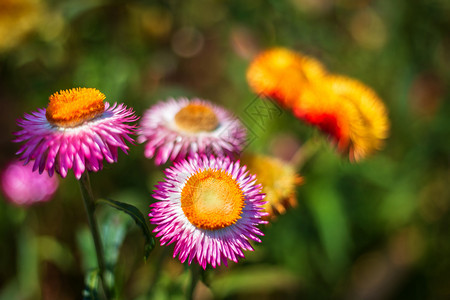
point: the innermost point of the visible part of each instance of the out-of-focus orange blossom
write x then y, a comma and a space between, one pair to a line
348, 111
282, 74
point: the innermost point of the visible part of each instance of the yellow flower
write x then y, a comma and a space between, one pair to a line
278, 180
282, 74
348, 111
17, 19
317, 107
369, 129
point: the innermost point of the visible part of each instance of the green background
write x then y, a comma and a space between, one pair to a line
378, 229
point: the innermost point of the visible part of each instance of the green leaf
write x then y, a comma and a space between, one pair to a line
27, 262
90, 291
138, 217
87, 249
113, 228
325, 204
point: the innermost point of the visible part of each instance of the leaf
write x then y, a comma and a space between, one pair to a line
326, 207
113, 228
87, 249
138, 217
90, 291
27, 262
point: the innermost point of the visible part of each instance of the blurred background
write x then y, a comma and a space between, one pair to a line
379, 229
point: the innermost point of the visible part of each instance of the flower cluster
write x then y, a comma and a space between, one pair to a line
345, 109
209, 205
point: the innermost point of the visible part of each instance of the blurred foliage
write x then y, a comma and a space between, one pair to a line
374, 230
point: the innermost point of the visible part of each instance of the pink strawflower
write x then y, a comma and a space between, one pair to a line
179, 128
210, 208
76, 131
22, 186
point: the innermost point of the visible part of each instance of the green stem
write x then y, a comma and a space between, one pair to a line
89, 204
305, 152
158, 269
195, 276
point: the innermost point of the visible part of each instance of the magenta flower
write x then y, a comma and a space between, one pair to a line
209, 207
22, 186
76, 131
179, 128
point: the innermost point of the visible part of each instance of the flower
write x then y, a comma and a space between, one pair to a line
76, 131
210, 207
278, 180
179, 128
321, 108
349, 112
22, 186
369, 130
17, 19
282, 74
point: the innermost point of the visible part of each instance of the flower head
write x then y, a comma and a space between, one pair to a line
210, 207
175, 129
321, 108
278, 180
282, 74
369, 129
348, 111
76, 131
22, 186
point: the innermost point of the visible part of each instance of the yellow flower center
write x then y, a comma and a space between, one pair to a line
72, 107
196, 118
211, 199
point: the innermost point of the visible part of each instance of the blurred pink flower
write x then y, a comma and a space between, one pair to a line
22, 186
177, 129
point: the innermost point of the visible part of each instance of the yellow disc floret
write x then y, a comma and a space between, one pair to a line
73, 107
196, 117
212, 199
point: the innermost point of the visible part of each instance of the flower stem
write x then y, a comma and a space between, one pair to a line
158, 268
195, 276
304, 153
89, 204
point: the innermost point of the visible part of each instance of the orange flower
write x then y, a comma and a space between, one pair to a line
319, 107
370, 128
278, 180
283, 74
348, 111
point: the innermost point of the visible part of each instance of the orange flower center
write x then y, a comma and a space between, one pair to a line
72, 107
196, 118
211, 199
